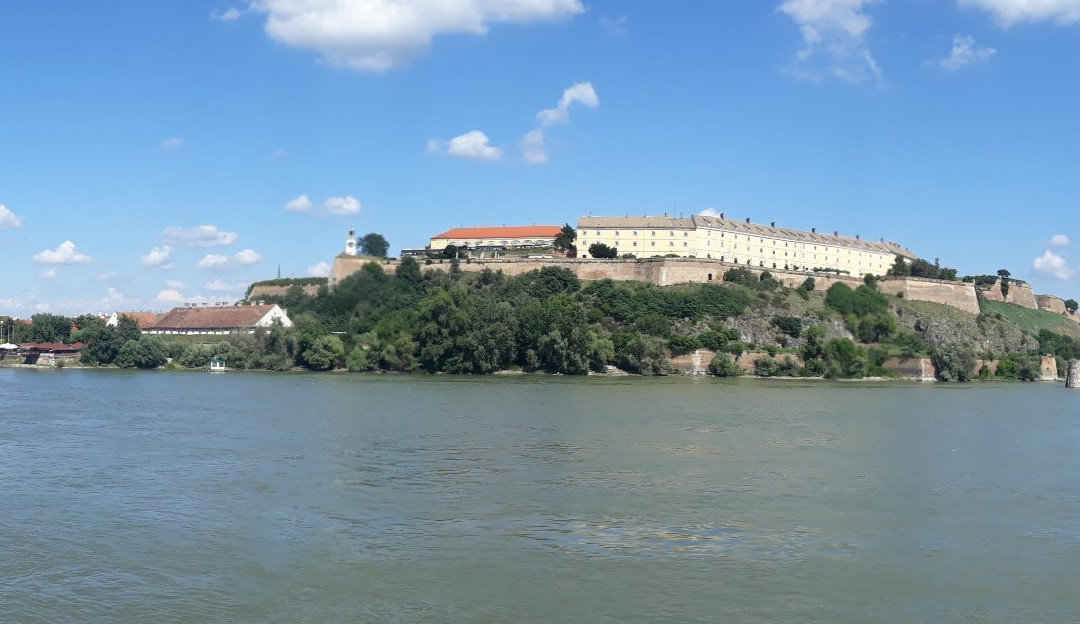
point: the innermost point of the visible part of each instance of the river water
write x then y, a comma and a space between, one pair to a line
248, 497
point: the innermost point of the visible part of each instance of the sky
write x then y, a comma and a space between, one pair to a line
157, 153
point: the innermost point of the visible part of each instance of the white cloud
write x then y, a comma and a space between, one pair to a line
1051, 264
170, 296
228, 15
221, 285
965, 52
711, 212
321, 269
172, 144
213, 261
838, 29
8, 219
532, 147
1060, 240
247, 256
221, 261
347, 205
108, 276
113, 299
614, 27
175, 284
299, 204
48, 274
379, 35
1009, 12
473, 144
158, 258
582, 93
64, 254
199, 236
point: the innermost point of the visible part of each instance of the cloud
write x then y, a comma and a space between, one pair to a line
8, 219
158, 258
711, 212
965, 52
1009, 12
221, 261
213, 261
835, 29
170, 296
113, 299
1060, 240
347, 205
64, 254
107, 276
177, 284
48, 274
532, 147
246, 257
172, 144
321, 269
221, 285
582, 93
299, 204
199, 236
1051, 264
379, 35
228, 15
614, 27
473, 144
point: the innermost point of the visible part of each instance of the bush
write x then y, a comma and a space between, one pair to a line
741, 276
861, 301
790, 325
953, 363
600, 250
723, 365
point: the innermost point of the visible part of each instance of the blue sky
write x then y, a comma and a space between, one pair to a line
156, 153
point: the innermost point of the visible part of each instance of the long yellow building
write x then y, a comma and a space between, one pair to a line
738, 242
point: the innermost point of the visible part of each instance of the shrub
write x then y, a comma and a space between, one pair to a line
790, 325
723, 365
600, 250
953, 363
740, 276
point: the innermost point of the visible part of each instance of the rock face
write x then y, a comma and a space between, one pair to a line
1073, 380
1051, 303
1020, 293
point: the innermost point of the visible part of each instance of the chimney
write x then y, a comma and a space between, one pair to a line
721, 215
836, 232
748, 219
858, 237
772, 223
813, 230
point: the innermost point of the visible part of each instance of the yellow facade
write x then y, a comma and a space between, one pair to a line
738, 242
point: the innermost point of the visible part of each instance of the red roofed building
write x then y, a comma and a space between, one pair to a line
497, 236
49, 353
234, 319
146, 320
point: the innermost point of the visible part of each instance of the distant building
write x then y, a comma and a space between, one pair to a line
49, 353
505, 237
146, 320
236, 319
738, 242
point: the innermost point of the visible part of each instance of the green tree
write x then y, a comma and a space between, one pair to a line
600, 250
46, 327
374, 245
1071, 305
723, 365
953, 362
564, 241
324, 353
147, 352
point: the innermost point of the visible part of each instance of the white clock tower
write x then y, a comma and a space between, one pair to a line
350, 242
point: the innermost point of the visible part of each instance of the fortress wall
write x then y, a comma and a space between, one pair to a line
696, 363
749, 359
920, 369
1049, 369
1050, 303
1020, 293
959, 295
258, 292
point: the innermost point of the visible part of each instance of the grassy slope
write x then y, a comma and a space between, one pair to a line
1032, 320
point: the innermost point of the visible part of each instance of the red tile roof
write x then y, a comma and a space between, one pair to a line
53, 346
146, 320
513, 231
220, 317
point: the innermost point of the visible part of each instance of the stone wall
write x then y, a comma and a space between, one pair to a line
919, 369
1050, 303
959, 295
749, 359
260, 291
696, 363
1020, 293
1048, 370
670, 271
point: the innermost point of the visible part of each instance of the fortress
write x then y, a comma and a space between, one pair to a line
665, 251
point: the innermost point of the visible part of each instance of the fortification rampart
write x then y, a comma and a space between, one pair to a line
959, 295
1020, 293
671, 271
1051, 303
258, 291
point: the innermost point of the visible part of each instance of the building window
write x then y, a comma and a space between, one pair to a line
654, 243
685, 244
654, 233
671, 243
635, 243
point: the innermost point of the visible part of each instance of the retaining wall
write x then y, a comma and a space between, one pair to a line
959, 295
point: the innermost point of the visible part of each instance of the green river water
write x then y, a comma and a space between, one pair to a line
253, 497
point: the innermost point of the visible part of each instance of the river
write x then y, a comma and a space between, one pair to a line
260, 497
